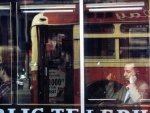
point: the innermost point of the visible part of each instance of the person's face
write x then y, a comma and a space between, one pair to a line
128, 71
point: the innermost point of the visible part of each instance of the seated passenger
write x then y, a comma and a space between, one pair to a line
133, 92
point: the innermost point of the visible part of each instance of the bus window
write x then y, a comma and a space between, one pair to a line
99, 28
55, 56
100, 1
5, 31
7, 55
99, 48
134, 48
132, 28
48, 1
99, 15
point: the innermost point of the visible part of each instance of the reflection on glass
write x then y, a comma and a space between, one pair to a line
57, 60
48, 1
135, 28
7, 53
99, 28
6, 75
134, 48
99, 48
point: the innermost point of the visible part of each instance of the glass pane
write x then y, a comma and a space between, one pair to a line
106, 1
99, 28
135, 28
24, 57
48, 1
58, 63
99, 48
134, 48
7, 56
116, 55
50, 62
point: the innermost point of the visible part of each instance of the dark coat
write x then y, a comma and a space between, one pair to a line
137, 91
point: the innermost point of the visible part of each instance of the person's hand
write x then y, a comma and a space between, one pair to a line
110, 76
131, 86
132, 79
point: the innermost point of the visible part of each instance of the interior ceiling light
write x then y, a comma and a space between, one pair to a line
47, 6
4, 7
46, 11
115, 9
117, 4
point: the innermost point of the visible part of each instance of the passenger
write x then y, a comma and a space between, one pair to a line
133, 92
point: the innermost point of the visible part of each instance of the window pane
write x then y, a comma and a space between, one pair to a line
7, 55
48, 1
99, 48
48, 42
114, 51
134, 48
99, 28
132, 28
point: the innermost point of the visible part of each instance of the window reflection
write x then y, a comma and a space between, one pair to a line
5, 31
134, 48
132, 28
108, 1
48, 1
7, 56
99, 28
99, 48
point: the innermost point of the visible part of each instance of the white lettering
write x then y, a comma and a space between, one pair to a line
71, 110
134, 15
25, 110
146, 12
10, 110
89, 111
35, 110
107, 111
1, 111
57, 110
123, 111
144, 111
122, 16
138, 111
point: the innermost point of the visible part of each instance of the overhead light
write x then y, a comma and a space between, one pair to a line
46, 11
4, 7
117, 4
115, 9
47, 6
